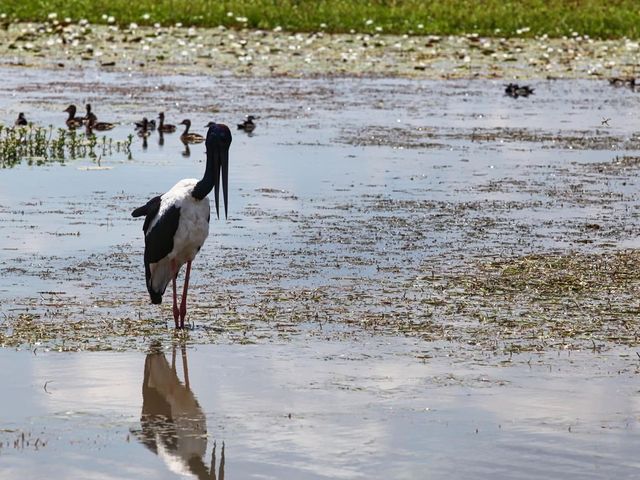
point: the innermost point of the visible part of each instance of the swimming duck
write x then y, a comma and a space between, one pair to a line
91, 121
87, 118
72, 120
144, 128
21, 121
623, 82
187, 137
514, 90
248, 125
165, 127
146, 124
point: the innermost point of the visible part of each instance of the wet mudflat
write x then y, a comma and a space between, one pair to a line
426, 275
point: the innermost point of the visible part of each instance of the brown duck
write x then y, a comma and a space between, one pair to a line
72, 120
165, 127
92, 122
187, 137
21, 121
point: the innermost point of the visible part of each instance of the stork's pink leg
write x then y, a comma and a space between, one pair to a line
176, 312
183, 303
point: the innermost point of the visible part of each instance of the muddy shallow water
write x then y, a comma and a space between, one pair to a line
427, 275
317, 409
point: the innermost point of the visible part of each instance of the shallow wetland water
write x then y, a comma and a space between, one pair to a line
416, 279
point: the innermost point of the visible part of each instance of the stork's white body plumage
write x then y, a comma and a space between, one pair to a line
192, 231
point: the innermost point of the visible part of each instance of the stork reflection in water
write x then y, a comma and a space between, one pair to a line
173, 425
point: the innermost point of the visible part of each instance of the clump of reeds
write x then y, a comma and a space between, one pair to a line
38, 145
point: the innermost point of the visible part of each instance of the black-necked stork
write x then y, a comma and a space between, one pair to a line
177, 223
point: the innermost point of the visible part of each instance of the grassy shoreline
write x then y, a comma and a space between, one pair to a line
505, 18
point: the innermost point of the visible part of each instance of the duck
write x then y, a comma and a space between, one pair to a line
144, 127
514, 90
146, 124
165, 127
623, 82
21, 121
91, 121
248, 125
187, 137
86, 119
72, 120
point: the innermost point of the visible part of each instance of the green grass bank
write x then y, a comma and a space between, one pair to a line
556, 18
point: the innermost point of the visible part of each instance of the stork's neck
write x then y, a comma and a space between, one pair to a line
204, 186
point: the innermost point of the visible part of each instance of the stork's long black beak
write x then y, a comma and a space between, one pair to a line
221, 169
218, 143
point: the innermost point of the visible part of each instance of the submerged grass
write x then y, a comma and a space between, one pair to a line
597, 18
39, 145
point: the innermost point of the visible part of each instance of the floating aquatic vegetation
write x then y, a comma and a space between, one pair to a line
39, 145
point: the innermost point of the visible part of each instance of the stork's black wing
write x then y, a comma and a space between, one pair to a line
158, 241
150, 210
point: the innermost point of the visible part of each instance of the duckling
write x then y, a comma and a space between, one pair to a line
21, 121
165, 127
146, 124
248, 125
187, 137
72, 120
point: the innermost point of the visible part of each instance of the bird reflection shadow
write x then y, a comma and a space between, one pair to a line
187, 151
173, 425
